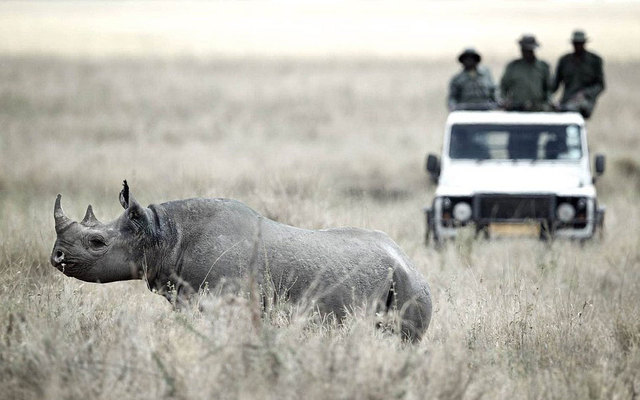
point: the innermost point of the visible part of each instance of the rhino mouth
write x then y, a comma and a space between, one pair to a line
66, 267
63, 266
62, 262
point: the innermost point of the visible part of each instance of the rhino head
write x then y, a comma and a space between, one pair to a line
93, 251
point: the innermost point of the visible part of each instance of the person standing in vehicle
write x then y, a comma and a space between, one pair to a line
581, 75
526, 82
473, 87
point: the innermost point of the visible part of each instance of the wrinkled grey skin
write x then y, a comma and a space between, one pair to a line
197, 243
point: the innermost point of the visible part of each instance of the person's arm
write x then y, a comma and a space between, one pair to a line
594, 90
558, 78
454, 94
492, 86
547, 84
505, 84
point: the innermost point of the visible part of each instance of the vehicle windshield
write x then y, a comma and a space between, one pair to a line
515, 142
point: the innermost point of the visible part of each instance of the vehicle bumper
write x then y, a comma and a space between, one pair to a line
442, 226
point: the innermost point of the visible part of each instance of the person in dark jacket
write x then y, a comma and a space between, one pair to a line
582, 76
473, 87
526, 82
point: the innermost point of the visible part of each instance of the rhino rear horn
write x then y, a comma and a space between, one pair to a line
62, 221
89, 218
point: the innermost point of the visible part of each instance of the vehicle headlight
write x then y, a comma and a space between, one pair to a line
462, 211
565, 212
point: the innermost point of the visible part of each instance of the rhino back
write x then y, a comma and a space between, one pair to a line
339, 264
217, 240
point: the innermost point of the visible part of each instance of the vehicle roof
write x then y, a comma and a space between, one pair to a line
511, 117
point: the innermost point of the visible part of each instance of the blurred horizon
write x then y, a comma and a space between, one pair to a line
408, 29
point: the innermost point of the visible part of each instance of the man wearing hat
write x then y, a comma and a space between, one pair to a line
473, 87
581, 74
526, 82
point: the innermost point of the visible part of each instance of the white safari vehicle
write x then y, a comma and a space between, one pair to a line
514, 173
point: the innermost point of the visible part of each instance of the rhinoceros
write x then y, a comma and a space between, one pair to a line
198, 243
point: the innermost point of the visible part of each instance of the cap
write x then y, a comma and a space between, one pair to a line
469, 52
528, 42
578, 36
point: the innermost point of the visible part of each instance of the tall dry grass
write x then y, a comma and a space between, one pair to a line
312, 144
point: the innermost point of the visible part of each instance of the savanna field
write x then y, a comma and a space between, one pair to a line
313, 144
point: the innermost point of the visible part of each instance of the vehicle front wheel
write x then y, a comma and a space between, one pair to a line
546, 231
430, 229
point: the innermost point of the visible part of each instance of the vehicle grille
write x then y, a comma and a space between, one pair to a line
514, 208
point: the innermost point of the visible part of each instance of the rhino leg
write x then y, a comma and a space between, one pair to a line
412, 301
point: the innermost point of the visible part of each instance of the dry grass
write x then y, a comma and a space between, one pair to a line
313, 144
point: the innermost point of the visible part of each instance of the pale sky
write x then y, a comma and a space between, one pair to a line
432, 29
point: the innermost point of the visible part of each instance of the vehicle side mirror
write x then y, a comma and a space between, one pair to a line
600, 163
433, 166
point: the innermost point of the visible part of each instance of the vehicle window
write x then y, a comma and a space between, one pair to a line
515, 142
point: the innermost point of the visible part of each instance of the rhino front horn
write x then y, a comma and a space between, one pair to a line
62, 221
89, 218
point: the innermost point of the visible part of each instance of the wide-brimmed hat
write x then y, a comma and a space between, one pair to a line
469, 52
578, 36
528, 42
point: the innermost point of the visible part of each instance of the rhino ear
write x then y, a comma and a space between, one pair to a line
134, 211
124, 195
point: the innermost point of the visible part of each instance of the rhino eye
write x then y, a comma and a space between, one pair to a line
97, 242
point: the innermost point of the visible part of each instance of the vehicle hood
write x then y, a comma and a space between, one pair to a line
469, 177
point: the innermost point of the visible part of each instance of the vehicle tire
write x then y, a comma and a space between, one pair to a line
546, 231
430, 230
482, 233
599, 226
427, 227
